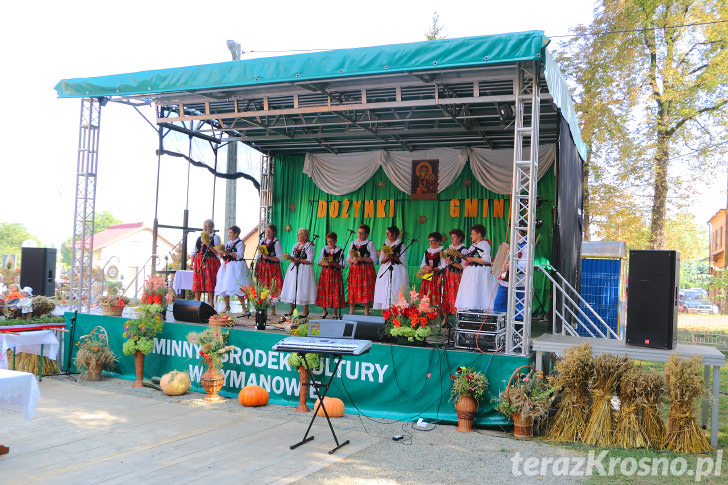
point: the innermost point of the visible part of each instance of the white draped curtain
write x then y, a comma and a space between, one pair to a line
345, 173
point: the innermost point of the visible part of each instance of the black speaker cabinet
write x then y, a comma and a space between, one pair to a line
192, 311
38, 270
654, 279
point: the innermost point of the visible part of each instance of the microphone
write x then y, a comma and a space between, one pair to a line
315, 236
353, 232
415, 240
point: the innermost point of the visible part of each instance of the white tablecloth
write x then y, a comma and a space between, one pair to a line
182, 280
28, 342
19, 393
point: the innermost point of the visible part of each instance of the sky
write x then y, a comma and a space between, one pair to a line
44, 42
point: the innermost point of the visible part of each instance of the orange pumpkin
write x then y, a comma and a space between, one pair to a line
253, 396
334, 406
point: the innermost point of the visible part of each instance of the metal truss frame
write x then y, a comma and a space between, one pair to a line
523, 206
85, 205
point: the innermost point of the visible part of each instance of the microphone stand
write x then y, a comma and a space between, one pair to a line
253, 264
296, 262
391, 269
349, 233
340, 262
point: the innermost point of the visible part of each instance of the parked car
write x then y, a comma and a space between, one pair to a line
700, 306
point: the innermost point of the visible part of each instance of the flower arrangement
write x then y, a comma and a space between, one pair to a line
140, 333
156, 295
468, 382
93, 350
410, 319
530, 395
114, 301
213, 343
259, 295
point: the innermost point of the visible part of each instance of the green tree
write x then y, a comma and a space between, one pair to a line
654, 98
12, 235
102, 221
435, 31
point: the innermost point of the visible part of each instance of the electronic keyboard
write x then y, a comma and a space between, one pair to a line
317, 345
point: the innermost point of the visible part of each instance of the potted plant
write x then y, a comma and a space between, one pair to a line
213, 344
93, 353
139, 335
260, 296
410, 321
527, 398
156, 296
295, 360
468, 387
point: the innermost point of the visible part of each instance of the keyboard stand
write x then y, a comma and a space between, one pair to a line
320, 403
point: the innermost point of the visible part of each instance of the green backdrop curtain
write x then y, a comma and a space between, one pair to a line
296, 201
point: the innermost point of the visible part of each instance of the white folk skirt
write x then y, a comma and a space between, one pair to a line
231, 277
382, 288
306, 293
477, 289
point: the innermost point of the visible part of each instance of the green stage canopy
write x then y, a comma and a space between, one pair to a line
226, 80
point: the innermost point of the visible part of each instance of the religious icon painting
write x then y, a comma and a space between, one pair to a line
425, 179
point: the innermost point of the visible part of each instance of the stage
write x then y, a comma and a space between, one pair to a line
391, 381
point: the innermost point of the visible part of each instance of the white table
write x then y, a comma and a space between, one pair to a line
182, 280
711, 357
19, 393
38, 342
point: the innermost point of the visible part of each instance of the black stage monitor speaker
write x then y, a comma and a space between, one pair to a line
192, 311
38, 270
654, 279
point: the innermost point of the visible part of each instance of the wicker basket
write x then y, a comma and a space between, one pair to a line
112, 311
219, 320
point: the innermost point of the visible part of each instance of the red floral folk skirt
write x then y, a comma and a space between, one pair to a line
204, 277
362, 278
432, 289
330, 292
268, 273
452, 285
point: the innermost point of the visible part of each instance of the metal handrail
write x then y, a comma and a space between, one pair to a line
587, 319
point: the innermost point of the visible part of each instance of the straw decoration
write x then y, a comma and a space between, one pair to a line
628, 433
572, 377
651, 390
608, 370
686, 385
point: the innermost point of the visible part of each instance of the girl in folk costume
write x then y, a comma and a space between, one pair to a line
362, 255
299, 285
233, 272
330, 291
268, 270
478, 285
433, 263
205, 263
453, 271
392, 277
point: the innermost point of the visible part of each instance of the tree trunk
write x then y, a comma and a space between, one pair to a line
586, 225
659, 199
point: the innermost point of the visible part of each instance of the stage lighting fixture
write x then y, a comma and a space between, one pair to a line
505, 112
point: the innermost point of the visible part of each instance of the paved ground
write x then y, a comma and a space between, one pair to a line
109, 432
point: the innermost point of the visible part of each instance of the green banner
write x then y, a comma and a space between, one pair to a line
390, 381
298, 202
